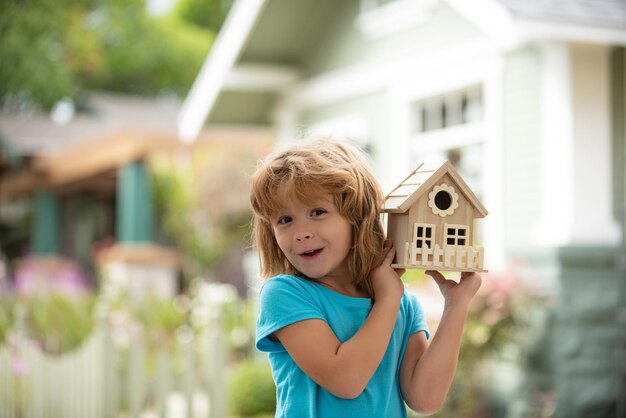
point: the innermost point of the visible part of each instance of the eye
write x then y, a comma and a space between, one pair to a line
284, 220
318, 212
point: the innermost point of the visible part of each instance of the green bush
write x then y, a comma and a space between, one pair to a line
60, 323
252, 390
6, 319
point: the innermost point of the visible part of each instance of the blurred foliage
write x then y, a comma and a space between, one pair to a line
59, 323
160, 317
497, 333
35, 55
412, 276
251, 389
52, 49
239, 320
202, 201
145, 55
6, 318
206, 14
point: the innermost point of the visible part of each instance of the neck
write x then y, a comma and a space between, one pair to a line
346, 289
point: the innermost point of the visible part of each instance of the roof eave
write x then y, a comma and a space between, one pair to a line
219, 62
532, 30
511, 31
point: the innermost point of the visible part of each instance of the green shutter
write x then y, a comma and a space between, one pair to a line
134, 204
45, 229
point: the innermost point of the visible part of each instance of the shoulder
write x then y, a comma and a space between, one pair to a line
286, 285
410, 305
284, 281
284, 300
409, 299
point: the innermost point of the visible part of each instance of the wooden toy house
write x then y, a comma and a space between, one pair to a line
430, 218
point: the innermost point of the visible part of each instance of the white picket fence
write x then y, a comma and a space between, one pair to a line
461, 257
183, 379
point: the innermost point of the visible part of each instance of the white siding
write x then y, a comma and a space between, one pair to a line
348, 47
369, 110
522, 152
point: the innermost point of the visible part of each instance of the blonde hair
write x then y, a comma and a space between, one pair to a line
308, 169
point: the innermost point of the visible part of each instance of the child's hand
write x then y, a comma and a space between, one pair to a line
385, 279
461, 292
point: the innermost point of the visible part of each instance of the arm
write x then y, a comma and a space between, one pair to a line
427, 370
344, 369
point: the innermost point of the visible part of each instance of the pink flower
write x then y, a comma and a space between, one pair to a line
18, 366
44, 275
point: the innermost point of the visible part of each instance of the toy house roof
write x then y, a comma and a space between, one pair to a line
421, 180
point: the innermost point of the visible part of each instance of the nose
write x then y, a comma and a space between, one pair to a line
303, 234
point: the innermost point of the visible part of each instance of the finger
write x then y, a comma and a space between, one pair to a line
437, 276
467, 274
391, 253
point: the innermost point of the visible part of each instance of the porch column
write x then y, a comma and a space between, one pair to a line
576, 150
44, 237
134, 204
135, 262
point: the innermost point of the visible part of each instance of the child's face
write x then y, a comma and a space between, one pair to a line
315, 238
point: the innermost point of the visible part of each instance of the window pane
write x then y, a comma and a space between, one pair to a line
473, 105
432, 115
454, 110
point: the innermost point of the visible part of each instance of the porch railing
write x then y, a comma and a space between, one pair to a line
461, 257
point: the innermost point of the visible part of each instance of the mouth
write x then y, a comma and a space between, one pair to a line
311, 253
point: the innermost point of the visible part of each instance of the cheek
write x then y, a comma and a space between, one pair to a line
346, 234
281, 240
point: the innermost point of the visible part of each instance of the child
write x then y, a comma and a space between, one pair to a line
344, 338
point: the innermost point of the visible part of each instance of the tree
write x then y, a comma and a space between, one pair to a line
36, 53
52, 49
208, 14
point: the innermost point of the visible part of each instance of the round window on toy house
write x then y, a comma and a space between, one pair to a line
443, 200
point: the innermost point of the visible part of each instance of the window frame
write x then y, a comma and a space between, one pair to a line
456, 236
416, 237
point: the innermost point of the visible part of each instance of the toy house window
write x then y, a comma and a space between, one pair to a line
456, 234
424, 235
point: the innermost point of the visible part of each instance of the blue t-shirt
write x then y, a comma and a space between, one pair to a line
286, 299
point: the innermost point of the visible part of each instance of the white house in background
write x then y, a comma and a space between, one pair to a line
520, 96
525, 98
